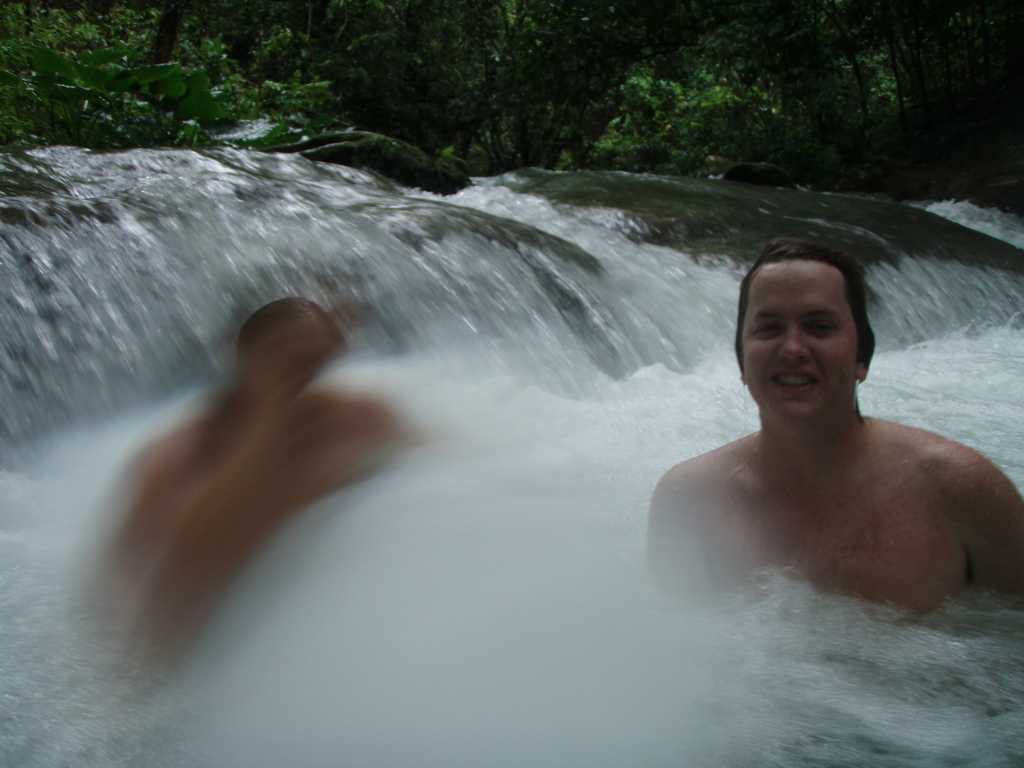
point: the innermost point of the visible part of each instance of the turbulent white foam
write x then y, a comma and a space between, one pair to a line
990, 221
484, 601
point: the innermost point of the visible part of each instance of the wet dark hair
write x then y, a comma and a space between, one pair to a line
797, 248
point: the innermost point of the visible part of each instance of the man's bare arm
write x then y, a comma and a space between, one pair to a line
215, 532
676, 554
990, 516
285, 460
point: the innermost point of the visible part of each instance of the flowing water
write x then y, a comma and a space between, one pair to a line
563, 339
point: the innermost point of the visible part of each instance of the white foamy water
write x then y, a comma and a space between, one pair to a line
485, 600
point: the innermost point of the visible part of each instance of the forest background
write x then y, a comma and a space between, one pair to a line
831, 90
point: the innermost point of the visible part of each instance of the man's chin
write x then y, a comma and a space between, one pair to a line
792, 409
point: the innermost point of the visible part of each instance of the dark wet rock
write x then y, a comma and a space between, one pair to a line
389, 157
763, 174
714, 220
989, 187
1003, 190
715, 165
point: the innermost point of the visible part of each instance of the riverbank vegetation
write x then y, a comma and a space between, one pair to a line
829, 89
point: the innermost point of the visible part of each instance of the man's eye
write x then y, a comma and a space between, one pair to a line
822, 327
767, 329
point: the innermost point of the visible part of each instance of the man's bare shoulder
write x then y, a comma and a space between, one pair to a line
981, 501
706, 476
979, 497
686, 513
946, 463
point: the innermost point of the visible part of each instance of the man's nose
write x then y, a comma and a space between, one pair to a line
794, 345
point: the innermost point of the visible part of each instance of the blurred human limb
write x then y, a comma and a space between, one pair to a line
211, 493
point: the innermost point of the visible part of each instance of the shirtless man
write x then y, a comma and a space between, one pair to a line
855, 505
213, 491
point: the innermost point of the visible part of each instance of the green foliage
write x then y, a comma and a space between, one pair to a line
826, 88
62, 82
25, 108
668, 127
103, 102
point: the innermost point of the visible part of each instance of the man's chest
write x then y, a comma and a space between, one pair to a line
885, 543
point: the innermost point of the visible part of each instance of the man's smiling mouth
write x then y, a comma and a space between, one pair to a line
793, 380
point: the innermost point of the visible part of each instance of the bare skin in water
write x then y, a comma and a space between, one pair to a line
212, 492
855, 505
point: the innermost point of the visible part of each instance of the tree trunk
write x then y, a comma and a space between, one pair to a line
167, 30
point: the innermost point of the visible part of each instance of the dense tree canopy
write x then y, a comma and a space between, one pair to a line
825, 87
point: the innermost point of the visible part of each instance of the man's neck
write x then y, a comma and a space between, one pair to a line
790, 451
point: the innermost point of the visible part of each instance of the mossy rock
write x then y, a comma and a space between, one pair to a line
389, 157
763, 174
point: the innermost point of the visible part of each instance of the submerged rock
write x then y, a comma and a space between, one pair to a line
389, 157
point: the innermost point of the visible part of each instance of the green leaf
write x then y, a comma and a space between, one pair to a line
123, 81
9, 78
172, 86
90, 76
201, 106
52, 64
320, 122
271, 137
107, 56
149, 74
191, 129
69, 92
198, 81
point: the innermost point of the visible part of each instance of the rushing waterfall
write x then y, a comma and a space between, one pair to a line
563, 339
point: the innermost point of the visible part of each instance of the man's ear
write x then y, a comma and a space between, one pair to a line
862, 372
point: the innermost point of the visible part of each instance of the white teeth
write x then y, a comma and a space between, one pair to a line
793, 381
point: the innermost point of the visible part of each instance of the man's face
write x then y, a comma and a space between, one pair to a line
800, 342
